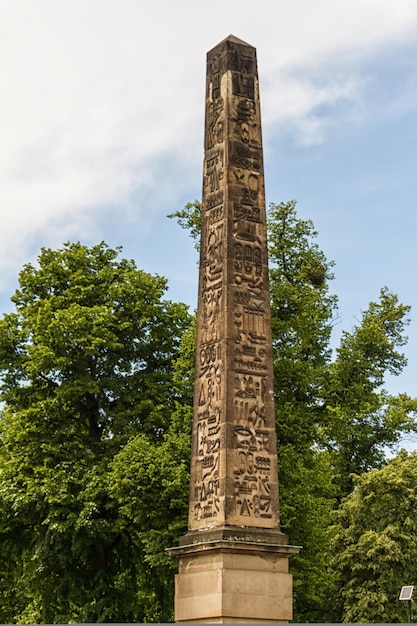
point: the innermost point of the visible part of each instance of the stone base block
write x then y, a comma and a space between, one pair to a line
232, 582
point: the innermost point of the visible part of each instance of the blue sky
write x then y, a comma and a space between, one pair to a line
101, 126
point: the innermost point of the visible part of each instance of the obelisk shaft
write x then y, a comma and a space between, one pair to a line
234, 480
233, 561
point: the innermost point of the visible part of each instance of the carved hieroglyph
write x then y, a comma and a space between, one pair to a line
234, 464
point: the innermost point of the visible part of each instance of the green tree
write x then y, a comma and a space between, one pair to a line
87, 365
374, 544
150, 483
189, 218
364, 420
302, 314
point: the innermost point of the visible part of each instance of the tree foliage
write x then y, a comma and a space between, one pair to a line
364, 420
302, 314
87, 365
189, 218
374, 545
302, 311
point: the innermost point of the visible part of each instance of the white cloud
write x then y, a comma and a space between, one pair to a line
96, 93
307, 106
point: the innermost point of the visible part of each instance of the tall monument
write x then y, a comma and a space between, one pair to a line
233, 562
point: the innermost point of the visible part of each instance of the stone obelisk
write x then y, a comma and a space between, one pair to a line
233, 562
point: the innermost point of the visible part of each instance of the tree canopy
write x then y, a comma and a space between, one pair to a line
87, 366
374, 543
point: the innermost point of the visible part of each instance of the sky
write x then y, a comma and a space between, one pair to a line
101, 133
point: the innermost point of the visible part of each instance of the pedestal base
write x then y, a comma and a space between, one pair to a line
226, 581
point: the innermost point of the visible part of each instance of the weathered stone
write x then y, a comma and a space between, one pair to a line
233, 585
234, 477
234, 558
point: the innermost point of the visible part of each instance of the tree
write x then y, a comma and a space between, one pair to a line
364, 420
302, 315
189, 218
374, 543
151, 485
303, 312
87, 365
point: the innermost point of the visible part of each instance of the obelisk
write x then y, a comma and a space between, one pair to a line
233, 562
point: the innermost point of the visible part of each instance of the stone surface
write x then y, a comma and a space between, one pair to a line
234, 478
233, 562
234, 583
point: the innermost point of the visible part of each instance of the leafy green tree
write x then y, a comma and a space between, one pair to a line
150, 483
364, 420
374, 544
334, 419
302, 314
87, 365
189, 218
97, 373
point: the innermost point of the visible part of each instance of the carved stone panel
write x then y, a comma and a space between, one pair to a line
234, 465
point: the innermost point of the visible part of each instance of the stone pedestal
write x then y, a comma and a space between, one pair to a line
226, 578
226, 582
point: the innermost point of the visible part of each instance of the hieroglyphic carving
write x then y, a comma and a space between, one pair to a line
215, 125
253, 450
208, 388
233, 407
252, 470
209, 363
213, 170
